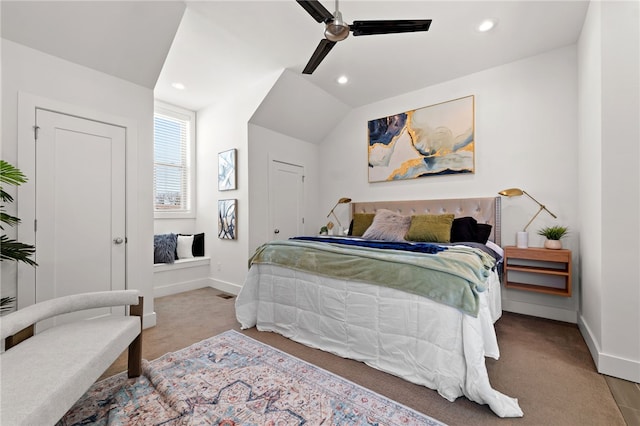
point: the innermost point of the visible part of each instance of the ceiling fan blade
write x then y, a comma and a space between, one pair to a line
321, 51
316, 10
389, 26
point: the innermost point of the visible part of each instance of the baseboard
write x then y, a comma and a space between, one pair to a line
176, 288
548, 312
610, 365
225, 286
149, 320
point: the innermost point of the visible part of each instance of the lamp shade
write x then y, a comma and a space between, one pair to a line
511, 192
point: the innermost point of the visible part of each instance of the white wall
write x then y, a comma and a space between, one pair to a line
28, 70
266, 145
610, 94
223, 126
526, 137
590, 172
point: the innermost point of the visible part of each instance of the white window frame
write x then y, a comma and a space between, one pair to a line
189, 116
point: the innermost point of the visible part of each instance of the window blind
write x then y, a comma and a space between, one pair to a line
171, 163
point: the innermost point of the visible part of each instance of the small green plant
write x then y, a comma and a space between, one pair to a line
554, 232
324, 230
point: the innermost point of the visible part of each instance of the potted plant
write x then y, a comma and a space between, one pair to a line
553, 234
11, 249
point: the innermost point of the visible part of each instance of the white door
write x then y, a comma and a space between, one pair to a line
80, 208
286, 198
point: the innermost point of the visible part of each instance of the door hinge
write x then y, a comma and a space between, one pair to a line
35, 225
35, 131
303, 220
302, 178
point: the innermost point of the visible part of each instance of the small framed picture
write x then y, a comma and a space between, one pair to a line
227, 219
227, 170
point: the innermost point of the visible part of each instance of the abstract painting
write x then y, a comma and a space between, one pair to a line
227, 170
431, 141
227, 219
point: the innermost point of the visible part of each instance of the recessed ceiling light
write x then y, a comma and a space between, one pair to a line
178, 86
487, 25
343, 79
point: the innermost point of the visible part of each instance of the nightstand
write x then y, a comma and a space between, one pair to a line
537, 264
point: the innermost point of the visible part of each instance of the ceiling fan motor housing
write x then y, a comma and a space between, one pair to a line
336, 29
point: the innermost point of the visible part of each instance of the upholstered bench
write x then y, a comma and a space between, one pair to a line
44, 374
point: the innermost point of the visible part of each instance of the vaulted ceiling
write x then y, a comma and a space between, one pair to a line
214, 47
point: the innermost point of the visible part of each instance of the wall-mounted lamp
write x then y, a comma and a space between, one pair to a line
522, 237
342, 200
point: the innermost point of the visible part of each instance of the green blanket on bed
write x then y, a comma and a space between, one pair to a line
452, 277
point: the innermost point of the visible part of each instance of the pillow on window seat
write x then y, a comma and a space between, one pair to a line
184, 249
197, 247
164, 248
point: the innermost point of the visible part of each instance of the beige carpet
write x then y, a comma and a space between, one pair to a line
545, 364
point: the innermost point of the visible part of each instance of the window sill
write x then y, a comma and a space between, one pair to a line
174, 215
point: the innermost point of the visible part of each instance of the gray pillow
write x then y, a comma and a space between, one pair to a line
388, 226
164, 248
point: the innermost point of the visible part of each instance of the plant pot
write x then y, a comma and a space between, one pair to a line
553, 244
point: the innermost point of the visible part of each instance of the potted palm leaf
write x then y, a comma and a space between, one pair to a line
553, 234
10, 249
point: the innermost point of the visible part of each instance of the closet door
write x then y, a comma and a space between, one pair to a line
286, 198
80, 208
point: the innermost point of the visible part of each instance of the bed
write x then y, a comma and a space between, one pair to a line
425, 314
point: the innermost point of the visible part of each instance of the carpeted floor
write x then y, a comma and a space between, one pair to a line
545, 364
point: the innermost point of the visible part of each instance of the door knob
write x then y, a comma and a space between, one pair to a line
276, 231
118, 240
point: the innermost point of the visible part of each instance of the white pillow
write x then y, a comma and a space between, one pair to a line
185, 242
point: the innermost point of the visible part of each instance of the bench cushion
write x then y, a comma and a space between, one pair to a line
46, 374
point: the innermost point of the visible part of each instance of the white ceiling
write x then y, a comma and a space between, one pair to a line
128, 39
221, 45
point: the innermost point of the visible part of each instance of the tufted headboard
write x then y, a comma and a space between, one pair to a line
484, 210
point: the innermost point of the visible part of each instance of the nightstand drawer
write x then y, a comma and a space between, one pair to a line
528, 268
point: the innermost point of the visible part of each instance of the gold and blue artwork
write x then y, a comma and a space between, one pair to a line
431, 141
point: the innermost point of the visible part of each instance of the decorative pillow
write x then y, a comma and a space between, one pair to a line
468, 229
198, 244
483, 230
164, 248
360, 223
388, 226
434, 228
184, 248
463, 229
197, 249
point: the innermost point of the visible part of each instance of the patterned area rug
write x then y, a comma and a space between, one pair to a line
232, 379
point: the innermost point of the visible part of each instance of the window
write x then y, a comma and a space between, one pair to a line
173, 162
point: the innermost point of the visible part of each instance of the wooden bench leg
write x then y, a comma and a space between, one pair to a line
20, 336
135, 348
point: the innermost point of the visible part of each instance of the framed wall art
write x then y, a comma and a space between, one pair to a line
227, 170
227, 219
431, 141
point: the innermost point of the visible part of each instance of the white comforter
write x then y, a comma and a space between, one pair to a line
403, 334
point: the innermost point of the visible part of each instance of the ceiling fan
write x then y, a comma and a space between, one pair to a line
337, 30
